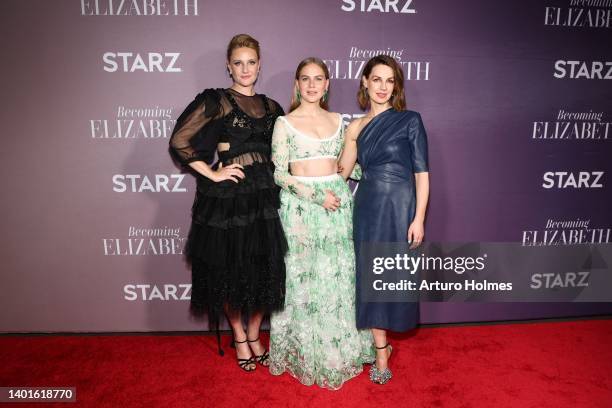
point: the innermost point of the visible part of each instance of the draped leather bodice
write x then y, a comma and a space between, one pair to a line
392, 147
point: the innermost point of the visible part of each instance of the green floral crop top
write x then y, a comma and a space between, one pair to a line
290, 145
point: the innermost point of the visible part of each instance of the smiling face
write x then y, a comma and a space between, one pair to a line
243, 66
311, 83
380, 84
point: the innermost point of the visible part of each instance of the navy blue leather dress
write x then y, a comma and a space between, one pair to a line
390, 149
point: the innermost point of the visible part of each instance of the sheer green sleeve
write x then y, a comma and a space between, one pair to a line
281, 145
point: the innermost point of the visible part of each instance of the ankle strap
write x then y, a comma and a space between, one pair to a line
240, 342
383, 347
252, 341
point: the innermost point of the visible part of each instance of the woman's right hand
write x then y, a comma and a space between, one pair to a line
331, 203
232, 172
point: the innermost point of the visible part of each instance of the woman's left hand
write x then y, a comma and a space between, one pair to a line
416, 232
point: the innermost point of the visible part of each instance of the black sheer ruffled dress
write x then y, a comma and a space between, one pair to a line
236, 244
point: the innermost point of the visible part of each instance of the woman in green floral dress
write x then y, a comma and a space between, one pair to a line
315, 337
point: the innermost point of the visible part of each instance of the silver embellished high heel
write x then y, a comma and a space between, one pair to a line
381, 376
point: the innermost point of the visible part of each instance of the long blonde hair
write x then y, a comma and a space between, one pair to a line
323, 102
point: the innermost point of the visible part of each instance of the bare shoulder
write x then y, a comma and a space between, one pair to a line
291, 114
335, 116
289, 119
353, 128
355, 124
335, 119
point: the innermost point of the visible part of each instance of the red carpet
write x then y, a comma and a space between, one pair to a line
550, 364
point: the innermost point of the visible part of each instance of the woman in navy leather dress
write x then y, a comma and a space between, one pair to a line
390, 145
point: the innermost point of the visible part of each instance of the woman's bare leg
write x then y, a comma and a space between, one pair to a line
253, 327
242, 349
382, 355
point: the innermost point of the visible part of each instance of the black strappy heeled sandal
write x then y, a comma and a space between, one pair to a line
261, 359
247, 364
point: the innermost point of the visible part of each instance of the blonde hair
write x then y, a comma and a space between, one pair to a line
323, 102
242, 40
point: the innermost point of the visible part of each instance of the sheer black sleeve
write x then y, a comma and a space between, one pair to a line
275, 107
190, 140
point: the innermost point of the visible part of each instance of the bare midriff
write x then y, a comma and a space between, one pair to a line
314, 167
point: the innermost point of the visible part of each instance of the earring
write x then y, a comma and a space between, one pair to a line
298, 96
325, 95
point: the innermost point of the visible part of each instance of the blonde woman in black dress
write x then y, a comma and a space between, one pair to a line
236, 243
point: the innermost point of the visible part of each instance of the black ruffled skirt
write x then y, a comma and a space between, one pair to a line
236, 245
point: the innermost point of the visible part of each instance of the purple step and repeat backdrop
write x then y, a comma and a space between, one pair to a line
516, 98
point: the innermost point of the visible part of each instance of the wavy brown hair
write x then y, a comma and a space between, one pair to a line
323, 102
242, 40
398, 99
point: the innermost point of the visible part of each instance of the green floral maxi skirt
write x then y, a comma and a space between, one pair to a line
315, 338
